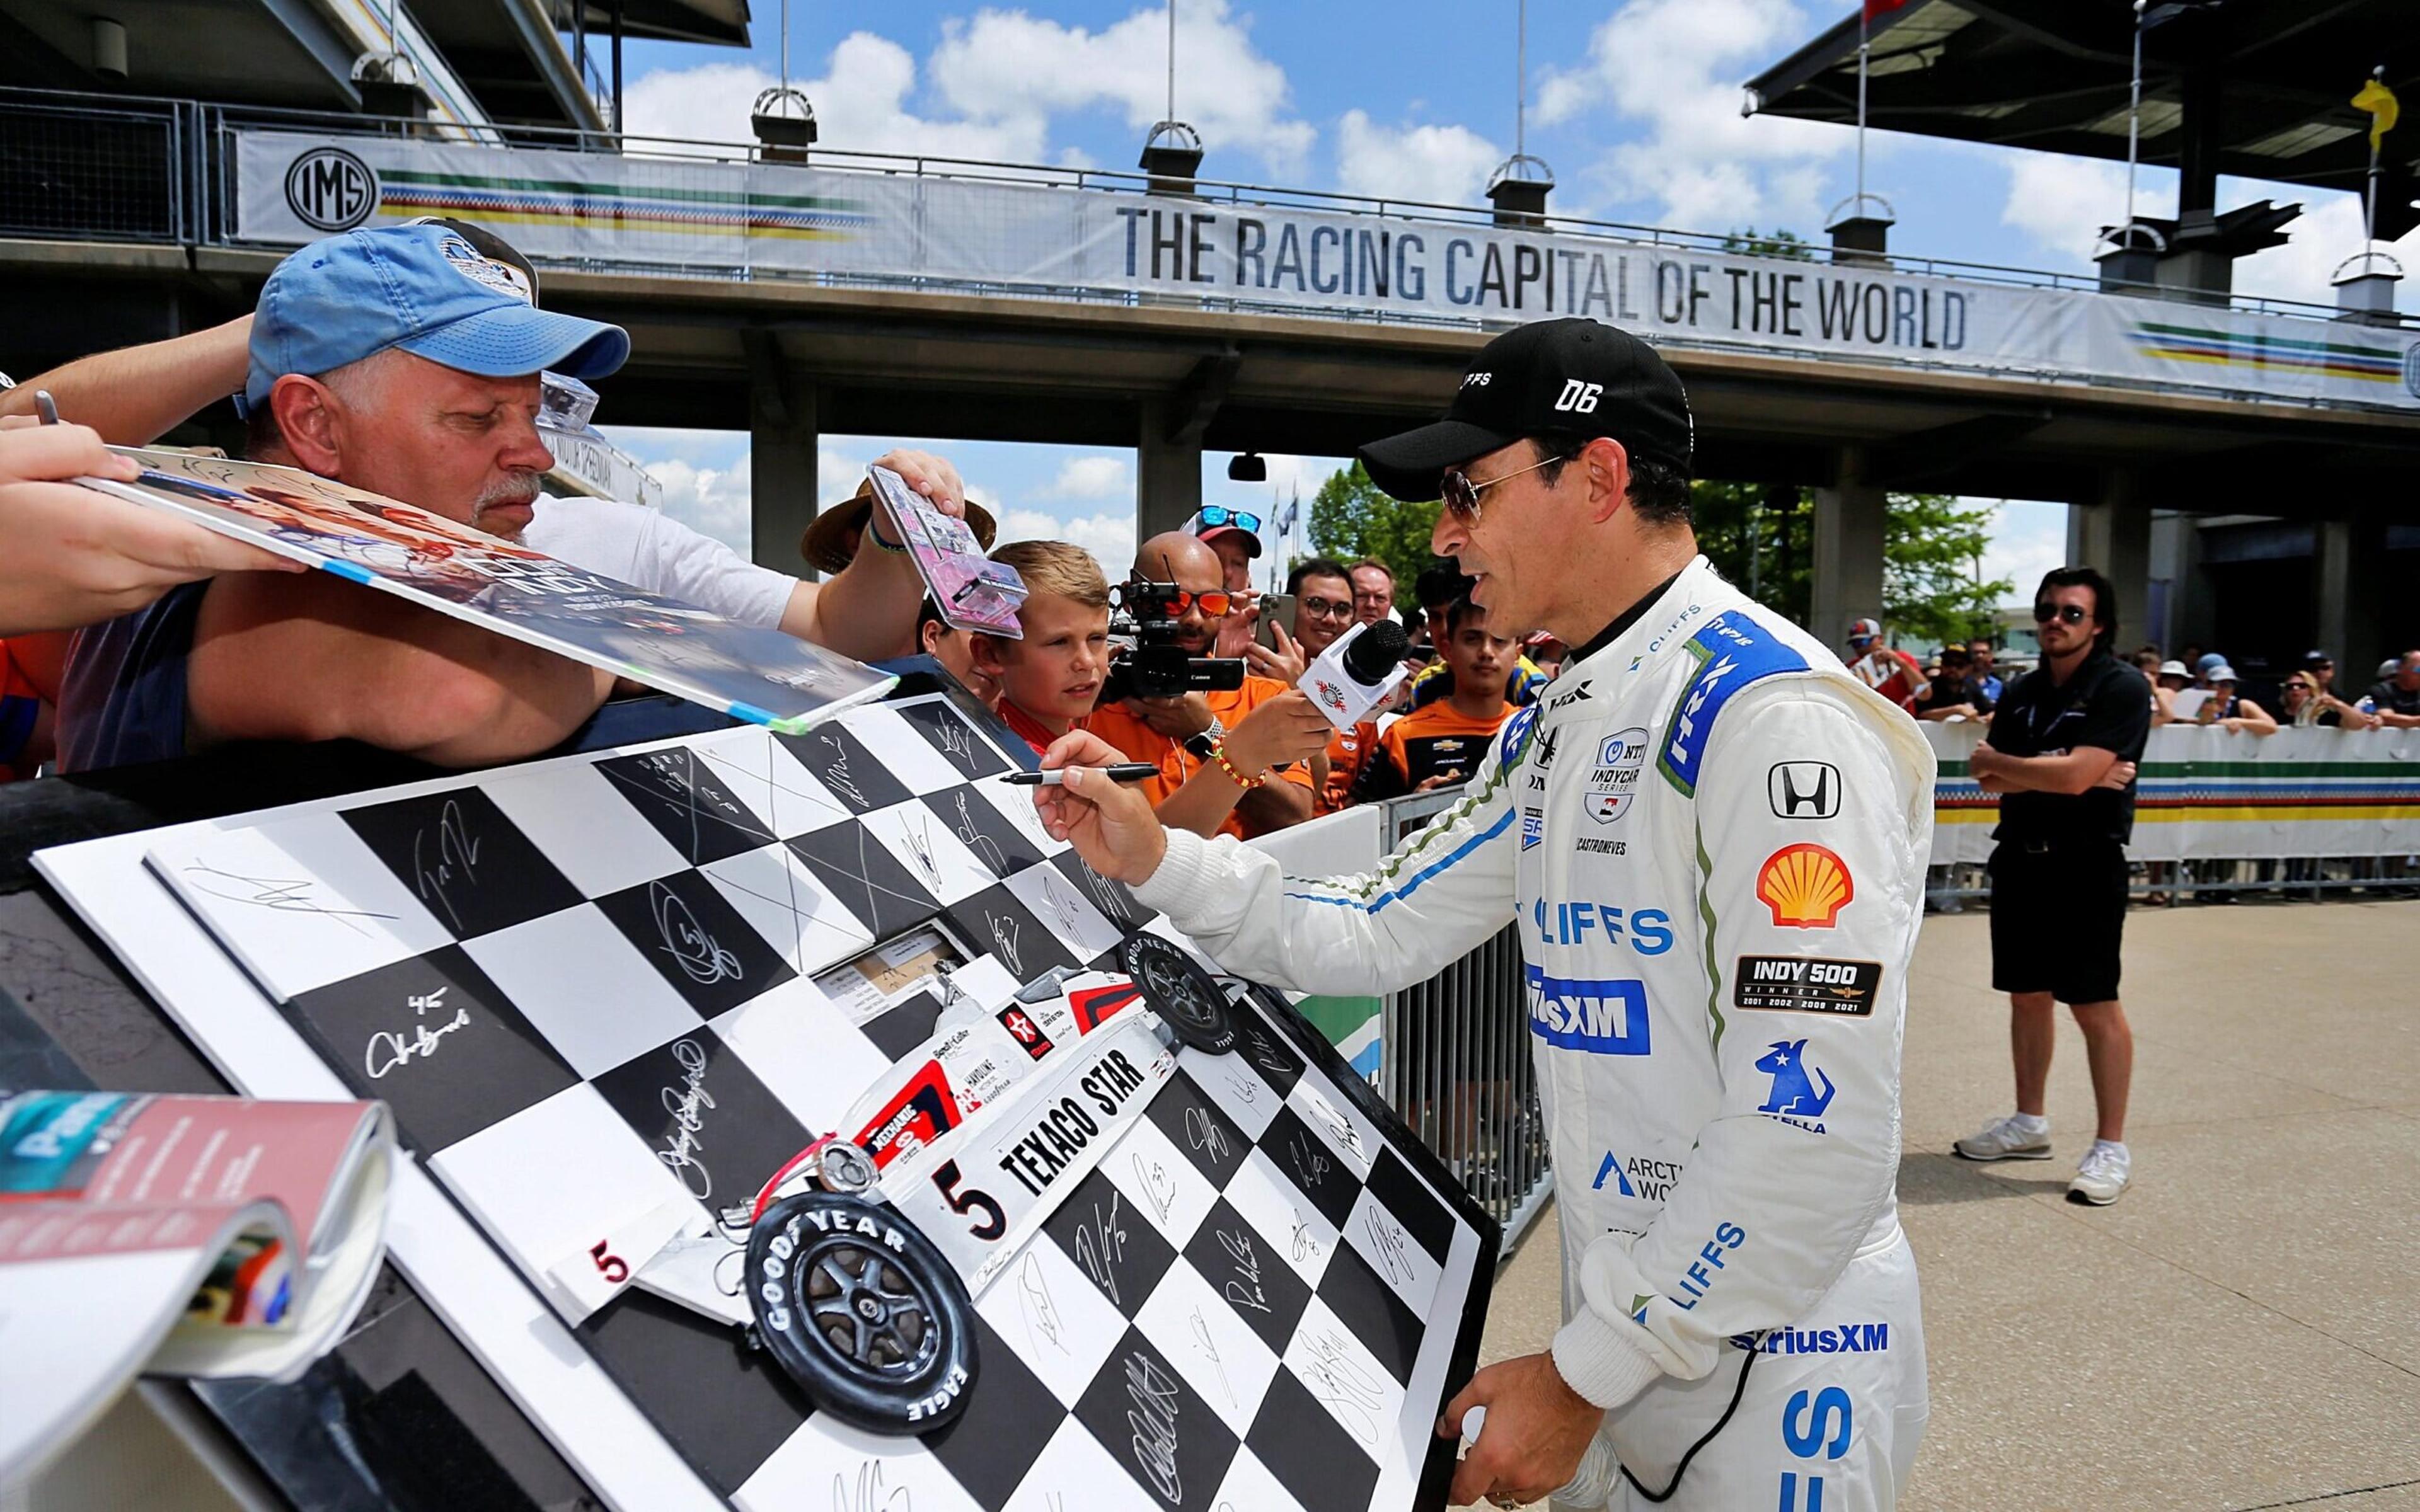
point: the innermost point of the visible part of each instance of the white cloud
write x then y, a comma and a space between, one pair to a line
1016, 71
2028, 539
1433, 165
1100, 476
860, 104
1108, 535
2328, 232
2062, 202
714, 500
1674, 65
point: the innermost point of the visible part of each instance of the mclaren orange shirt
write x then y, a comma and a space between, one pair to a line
1348, 751
1429, 742
1141, 743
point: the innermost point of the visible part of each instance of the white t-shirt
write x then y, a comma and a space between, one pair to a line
642, 548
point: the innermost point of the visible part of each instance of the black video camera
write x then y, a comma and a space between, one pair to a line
1156, 667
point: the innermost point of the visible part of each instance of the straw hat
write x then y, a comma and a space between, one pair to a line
826, 544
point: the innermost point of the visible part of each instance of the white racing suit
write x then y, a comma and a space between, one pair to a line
1714, 839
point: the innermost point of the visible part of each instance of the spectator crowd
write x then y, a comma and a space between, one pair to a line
410, 361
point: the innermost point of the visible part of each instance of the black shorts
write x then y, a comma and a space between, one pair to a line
2057, 920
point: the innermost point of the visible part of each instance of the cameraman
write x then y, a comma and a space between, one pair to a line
1255, 741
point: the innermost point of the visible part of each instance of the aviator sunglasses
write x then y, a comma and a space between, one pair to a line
2046, 612
1461, 495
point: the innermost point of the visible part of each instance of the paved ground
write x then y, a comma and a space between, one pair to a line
2243, 1330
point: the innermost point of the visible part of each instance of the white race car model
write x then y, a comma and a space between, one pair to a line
863, 1254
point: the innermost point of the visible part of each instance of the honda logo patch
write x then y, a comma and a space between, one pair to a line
1805, 790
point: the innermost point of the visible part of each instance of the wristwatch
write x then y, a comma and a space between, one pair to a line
1198, 746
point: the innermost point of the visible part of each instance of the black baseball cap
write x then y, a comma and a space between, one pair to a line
1575, 375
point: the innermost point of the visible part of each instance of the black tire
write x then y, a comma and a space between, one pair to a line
1187, 997
864, 1312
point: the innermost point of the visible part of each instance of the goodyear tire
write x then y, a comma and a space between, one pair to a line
1187, 997
864, 1312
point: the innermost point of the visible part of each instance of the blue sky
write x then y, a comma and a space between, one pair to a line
1634, 105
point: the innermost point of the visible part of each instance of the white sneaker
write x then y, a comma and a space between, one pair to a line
2014, 1138
2102, 1179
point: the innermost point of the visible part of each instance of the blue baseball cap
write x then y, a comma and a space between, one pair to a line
427, 289
2208, 660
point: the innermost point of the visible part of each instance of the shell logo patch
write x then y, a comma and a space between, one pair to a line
1805, 886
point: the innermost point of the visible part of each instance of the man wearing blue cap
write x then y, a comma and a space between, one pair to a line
406, 360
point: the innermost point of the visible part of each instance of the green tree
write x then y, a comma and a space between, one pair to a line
1778, 243
1933, 577
1761, 536
1352, 517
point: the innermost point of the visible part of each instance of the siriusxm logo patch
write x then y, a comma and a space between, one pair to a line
1601, 1018
1847, 1338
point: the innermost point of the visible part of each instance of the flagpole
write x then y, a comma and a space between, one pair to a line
2133, 130
2369, 195
1865, 46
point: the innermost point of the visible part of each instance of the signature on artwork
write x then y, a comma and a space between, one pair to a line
1266, 1054
1101, 1245
388, 1050
699, 955
1105, 893
1387, 1237
836, 776
1209, 1347
1245, 1290
1003, 934
1064, 906
870, 1494
1311, 1164
1202, 1133
957, 742
1336, 1377
1158, 1187
985, 848
283, 895
1040, 1308
1307, 1246
1152, 1405
454, 859
687, 1103
920, 847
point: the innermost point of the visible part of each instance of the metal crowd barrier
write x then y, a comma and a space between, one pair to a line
1456, 1061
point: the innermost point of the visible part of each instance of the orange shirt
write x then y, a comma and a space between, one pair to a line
1429, 742
1348, 751
1141, 743
1028, 728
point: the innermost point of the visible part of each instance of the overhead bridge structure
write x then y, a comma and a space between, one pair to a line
889, 296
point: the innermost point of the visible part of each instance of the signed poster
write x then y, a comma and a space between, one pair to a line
753, 673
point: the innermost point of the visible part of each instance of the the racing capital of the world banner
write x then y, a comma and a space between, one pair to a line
716, 218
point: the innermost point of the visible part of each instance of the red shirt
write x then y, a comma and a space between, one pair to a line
1028, 728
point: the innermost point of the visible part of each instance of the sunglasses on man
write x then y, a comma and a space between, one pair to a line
2046, 612
1214, 516
1460, 494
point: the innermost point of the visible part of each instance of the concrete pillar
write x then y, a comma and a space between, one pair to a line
2113, 533
2350, 588
1848, 567
782, 459
1167, 476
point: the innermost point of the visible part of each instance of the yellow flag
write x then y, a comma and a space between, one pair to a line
2379, 100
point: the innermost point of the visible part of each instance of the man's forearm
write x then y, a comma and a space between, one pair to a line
134, 395
1273, 805
1203, 804
2041, 773
868, 609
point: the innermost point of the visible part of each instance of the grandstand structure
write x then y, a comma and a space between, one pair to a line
796, 291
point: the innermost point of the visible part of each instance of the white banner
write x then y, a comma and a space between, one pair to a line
663, 215
2215, 794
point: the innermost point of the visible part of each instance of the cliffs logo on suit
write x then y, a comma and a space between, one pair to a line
1805, 790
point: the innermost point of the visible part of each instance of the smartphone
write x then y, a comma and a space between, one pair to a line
1276, 610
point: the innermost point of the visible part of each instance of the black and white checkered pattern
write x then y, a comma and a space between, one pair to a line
588, 991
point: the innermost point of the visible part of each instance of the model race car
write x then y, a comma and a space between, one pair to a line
863, 1254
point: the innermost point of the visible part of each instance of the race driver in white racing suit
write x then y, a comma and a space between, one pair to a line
1712, 839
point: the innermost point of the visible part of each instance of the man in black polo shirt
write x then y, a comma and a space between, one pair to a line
2061, 752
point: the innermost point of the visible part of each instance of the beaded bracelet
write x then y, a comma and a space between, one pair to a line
1219, 754
875, 535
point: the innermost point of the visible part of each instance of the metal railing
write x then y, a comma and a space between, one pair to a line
1456, 1063
188, 154
1949, 888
